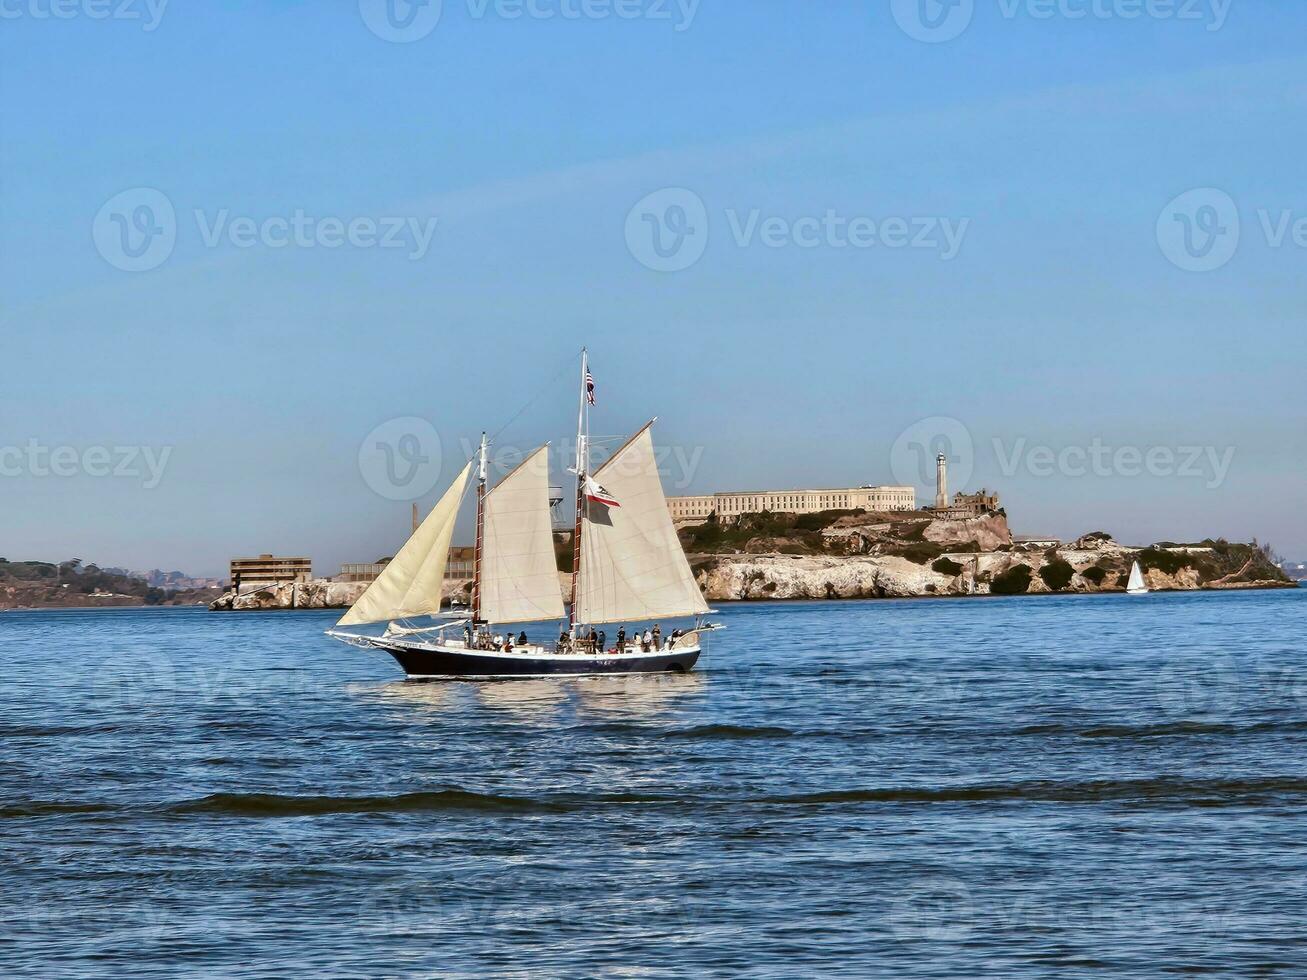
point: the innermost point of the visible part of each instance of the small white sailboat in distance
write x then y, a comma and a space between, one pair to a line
1136, 584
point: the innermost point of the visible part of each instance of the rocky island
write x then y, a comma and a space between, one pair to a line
842, 555
870, 555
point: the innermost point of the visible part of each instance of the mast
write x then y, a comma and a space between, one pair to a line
481, 522
582, 464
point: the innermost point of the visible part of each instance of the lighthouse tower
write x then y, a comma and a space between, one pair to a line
941, 482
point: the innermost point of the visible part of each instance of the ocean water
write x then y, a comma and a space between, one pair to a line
1097, 785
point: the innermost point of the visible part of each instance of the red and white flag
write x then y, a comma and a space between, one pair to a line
597, 494
589, 387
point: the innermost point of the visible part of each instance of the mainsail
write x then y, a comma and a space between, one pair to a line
632, 564
410, 584
519, 577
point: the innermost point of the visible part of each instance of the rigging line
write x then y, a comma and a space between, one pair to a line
534, 398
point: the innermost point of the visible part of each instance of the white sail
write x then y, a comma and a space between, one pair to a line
410, 584
519, 576
632, 564
1136, 584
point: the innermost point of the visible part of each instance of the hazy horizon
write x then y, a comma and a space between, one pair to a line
243, 246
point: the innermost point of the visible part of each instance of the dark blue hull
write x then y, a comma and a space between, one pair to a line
420, 661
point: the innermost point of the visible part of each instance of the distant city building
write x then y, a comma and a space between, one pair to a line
269, 570
156, 578
728, 505
964, 505
459, 566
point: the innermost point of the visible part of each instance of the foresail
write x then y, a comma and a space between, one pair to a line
632, 564
519, 575
410, 584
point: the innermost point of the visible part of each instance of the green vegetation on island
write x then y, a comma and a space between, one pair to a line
39, 584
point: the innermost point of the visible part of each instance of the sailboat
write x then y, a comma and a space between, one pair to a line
1136, 584
628, 568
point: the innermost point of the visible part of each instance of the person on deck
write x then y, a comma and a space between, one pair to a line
657, 637
521, 638
603, 639
646, 641
621, 639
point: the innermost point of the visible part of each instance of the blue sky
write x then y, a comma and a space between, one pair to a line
254, 368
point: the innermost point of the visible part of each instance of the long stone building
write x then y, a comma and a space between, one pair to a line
728, 505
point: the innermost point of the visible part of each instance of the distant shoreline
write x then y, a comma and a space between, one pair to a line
1258, 587
116, 605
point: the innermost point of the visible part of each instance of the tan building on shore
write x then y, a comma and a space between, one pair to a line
731, 505
458, 567
269, 570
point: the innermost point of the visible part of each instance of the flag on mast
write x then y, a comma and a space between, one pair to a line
589, 387
594, 492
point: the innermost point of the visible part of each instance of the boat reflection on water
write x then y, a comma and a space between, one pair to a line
541, 700
637, 695
435, 699
537, 699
